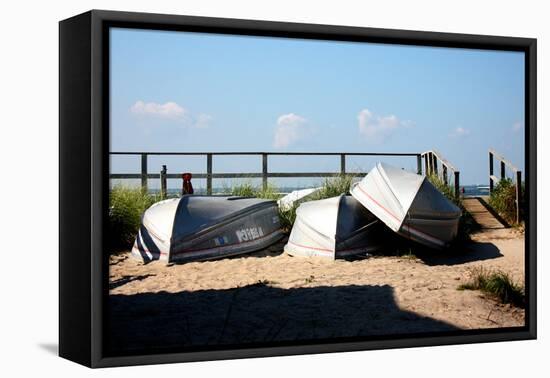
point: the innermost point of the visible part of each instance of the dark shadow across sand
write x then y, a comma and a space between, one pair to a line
468, 252
257, 314
127, 279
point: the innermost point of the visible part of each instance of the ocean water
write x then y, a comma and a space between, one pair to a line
476, 190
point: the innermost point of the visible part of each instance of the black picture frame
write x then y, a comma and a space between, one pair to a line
83, 180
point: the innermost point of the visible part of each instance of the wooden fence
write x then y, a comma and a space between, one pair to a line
431, 159
436, 164
494, 179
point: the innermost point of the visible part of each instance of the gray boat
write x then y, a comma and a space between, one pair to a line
206, 227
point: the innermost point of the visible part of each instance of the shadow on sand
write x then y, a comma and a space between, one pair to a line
257, 314
468, 252
127, 279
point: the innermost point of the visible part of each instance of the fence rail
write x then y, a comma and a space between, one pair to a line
433, 160
265, 174
494, 179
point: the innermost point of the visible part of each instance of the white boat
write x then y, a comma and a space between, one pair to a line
295, 197
206, 227
334, 228
409, 204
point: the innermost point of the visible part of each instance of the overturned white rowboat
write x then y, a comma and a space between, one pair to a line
295, 197
334, 228
409, 204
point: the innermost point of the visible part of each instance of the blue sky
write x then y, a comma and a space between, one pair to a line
175, 91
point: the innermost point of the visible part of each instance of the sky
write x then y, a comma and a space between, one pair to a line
180, 91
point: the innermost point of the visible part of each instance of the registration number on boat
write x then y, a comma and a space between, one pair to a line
247, 234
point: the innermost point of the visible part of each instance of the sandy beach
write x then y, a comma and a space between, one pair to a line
271, 296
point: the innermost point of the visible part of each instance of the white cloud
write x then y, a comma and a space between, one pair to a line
378, 128
459, 132
517, 126
290, 128
170, 111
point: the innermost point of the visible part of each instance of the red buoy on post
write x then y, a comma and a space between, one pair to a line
187, 187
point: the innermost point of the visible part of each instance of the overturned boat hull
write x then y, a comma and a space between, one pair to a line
409, 205
334, 228
296, 197
206, 227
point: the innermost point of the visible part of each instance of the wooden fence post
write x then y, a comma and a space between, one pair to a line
436, 171
445, 174
502, 170
264, 171
144, 172
419, 164
491, 171
163, 182
343, 164
426, 164
457, 184
429, 170
209, 174
518, 196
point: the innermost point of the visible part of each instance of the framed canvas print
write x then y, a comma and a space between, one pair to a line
235, 188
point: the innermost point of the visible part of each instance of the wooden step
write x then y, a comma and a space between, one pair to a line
481, 214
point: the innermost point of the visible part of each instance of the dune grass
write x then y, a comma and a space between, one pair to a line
125, 208
445, 189
497, 284
503, 200
247, 189
333, 186
287, 217
467, 225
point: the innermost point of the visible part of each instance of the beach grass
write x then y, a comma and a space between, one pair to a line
248, 189
503, 199
126, 205
333, 186
467, 225
245, 189
497, 284
287, 217
446, 189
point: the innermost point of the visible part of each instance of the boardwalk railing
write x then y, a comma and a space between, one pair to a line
433, 160
265, 174
494, 179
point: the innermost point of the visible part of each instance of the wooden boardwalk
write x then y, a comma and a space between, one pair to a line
481, 214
